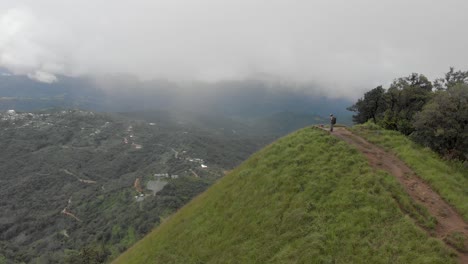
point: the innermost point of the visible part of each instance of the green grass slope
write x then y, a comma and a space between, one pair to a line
307, 198
448, 178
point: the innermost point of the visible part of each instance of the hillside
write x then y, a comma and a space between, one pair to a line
448, 178
76, 180
307, 197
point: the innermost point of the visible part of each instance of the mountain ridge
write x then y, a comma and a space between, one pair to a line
306, 197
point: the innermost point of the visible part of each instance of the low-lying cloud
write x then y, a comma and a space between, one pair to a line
344, 47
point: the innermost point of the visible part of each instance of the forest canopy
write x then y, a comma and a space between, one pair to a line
434, 114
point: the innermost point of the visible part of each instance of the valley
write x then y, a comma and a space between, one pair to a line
77, 180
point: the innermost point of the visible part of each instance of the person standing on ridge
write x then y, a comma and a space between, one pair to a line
332, 122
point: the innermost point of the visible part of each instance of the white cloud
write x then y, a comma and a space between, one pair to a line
41, 76
345, 46
26, 47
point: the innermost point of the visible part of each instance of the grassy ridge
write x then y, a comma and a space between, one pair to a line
307, 198
449, 179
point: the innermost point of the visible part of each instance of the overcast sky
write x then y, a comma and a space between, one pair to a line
346, 46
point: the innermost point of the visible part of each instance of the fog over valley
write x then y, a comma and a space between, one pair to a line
334, 48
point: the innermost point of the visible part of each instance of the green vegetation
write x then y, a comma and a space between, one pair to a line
87, 163
448, 178
306, 198
435, 115
442, 125
394, 108
457, 240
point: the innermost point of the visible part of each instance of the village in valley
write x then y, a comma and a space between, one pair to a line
88, 175
152, 184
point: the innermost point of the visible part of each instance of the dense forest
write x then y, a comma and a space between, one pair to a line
81, 187
434, 114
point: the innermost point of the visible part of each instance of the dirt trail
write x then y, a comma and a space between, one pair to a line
137, 185
79, 179
66, 212
448, 219
194, 173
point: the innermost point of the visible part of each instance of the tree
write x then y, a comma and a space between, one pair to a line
87, 255
443, 123
451, 79
405, 97
369, 107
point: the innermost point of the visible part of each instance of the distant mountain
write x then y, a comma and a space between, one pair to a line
74, 179
120, 93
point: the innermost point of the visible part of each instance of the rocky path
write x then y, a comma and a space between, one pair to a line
448, 220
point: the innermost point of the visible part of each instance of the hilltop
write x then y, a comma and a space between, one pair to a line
307, 197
